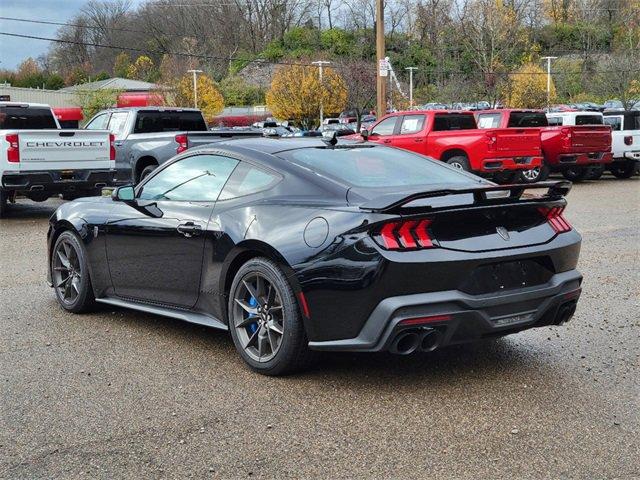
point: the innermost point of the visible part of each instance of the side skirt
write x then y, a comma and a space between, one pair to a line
187, 316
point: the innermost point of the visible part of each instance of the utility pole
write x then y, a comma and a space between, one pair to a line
548, 59
195, 86
381, 108
320, 64
411, 69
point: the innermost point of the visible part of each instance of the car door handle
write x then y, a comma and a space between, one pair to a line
387, 140
418, 140
189, 229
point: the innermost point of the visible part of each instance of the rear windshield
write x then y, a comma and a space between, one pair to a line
527, 119
169, 121
588, 120
454, 121
375, 167
26, 118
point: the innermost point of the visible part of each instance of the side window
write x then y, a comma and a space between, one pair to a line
199, 178
588, 120
412, 124
98, 123
248, 179
614, 122
489, 120
117, 123
554, 121
385, 127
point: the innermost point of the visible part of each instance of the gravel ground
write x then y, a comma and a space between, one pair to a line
120, 394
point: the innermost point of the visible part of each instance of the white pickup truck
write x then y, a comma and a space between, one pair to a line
38, 159
625, 142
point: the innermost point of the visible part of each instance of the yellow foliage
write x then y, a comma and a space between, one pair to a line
296, 93
141, 69
529, 87
210, 99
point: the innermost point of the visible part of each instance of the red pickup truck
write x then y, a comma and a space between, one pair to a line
577, 144
454, 137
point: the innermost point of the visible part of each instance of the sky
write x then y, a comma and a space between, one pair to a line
14, 50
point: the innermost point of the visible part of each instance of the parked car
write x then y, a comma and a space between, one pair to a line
297, 246
454, 137
577, 144
146, 137
339, 129
434, 106
40, 160
625, 143
613, 105
331, 121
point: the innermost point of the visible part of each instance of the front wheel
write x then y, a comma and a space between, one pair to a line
70, 274
623, 169
265, 320
575, 174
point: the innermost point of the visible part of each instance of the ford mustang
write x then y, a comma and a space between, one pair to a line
296, 246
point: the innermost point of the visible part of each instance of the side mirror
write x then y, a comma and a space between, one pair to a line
124, 194
364, 133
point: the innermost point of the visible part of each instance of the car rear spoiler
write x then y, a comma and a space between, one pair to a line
481, 194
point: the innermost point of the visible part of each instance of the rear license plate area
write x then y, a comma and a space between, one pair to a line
503, 276
67, 175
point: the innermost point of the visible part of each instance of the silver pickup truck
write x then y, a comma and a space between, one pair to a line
146, 137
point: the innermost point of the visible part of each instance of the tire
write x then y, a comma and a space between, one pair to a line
575, 174
70, 274
259, 344
623, 169
460, 162
538, 174
4, 203
507, 177
595, 172
146, 171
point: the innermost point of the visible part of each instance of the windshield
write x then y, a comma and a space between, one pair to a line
375, 167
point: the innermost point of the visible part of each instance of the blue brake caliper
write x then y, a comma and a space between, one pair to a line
253, 326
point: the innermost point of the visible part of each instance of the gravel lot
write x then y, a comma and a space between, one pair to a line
120, 394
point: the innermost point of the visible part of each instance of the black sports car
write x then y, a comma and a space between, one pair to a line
300, 245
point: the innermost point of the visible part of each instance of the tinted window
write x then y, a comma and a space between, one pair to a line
169, 121
197, 178
248, 179
527, 119
26, 118
117, 123
632, 121
374, 166
385, 127
454, 121
588, 120
98, 123
554, 121
489, 120
412, 124
614, 122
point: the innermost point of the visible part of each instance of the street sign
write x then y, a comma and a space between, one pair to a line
383, 67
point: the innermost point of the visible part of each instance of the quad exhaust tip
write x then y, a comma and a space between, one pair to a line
408, 341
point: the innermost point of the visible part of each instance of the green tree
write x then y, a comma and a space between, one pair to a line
237, 92
121, 65
92, 101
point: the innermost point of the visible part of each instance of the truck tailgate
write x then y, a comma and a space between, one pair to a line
518, 141
64, 150
596, 137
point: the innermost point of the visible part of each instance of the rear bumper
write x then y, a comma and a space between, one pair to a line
58, 181
585, 158
630, 156
510, 163
463, 317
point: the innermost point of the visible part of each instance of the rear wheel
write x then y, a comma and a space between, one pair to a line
506, 177
575, 174
595, 172
537, 174
146, 171
70, 274
623, 169
460, 162
4, 203
265, 321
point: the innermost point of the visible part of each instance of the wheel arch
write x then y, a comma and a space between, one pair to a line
141, 163
453, 152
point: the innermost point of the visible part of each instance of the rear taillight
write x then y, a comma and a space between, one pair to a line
407, 235
566, 136
492, 140
112, 147
181, 140
555, 218
13, 150
628, 140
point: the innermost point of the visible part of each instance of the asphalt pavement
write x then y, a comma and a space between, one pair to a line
121, 394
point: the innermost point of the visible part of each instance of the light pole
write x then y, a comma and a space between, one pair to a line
548, 59
411, 69
320, 64
381, 85
195, 86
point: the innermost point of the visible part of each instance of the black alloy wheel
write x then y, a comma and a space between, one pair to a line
70, 274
